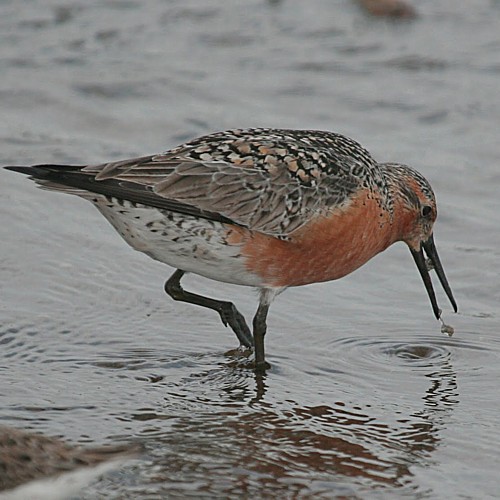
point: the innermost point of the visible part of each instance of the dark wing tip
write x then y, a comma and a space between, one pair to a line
42, 171
22, 170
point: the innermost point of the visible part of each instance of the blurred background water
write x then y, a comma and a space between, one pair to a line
365, 398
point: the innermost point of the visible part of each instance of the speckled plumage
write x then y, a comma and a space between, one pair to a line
269, 208
268, 180
27, 456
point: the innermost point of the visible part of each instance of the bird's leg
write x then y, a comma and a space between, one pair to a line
227, 310
259, 331
260, 327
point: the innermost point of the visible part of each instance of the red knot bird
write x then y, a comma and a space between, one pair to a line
266, 208
36, 466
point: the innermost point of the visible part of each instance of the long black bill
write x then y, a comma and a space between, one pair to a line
431, 251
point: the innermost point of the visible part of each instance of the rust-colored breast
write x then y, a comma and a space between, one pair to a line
327, 248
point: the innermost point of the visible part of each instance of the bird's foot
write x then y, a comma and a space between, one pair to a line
231, 317
261, 366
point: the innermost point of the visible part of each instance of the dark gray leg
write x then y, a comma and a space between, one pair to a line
259, 331
227, 310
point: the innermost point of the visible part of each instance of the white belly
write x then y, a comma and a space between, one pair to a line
181, 241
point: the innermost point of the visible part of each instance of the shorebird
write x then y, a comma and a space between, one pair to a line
266, 208
36, 466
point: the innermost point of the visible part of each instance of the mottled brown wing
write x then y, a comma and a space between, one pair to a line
271, 200
272, 203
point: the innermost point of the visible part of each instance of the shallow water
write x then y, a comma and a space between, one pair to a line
365, 398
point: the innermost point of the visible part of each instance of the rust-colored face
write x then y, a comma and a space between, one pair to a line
421, 213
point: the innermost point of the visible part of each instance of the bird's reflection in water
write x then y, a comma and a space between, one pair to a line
248, 443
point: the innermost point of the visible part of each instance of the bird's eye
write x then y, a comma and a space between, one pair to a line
426, 211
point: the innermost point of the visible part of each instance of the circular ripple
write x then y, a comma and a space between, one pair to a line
363, 351
416, 353
394, 365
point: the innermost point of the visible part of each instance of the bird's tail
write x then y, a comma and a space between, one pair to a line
43, 171
54, 177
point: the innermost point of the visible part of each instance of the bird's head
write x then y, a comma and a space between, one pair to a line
415, 203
